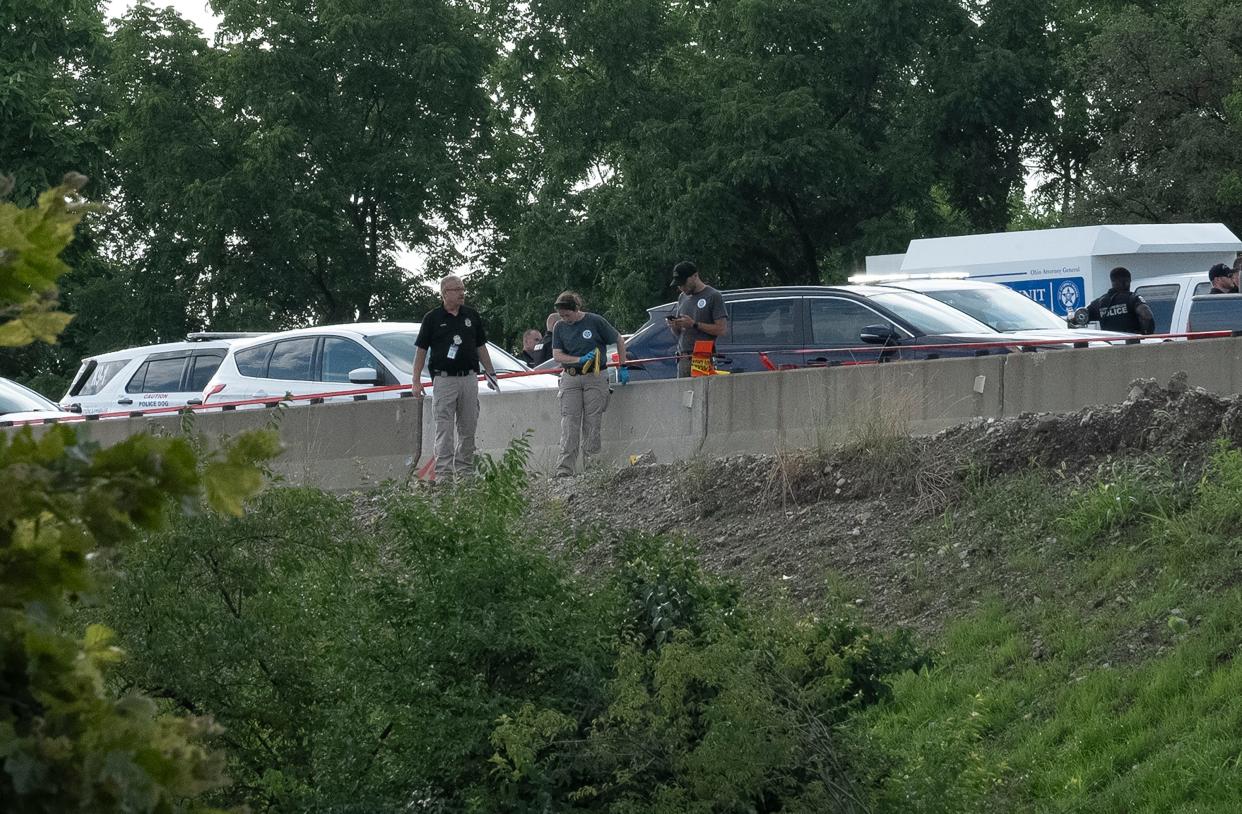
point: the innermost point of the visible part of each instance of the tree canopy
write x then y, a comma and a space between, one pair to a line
274, 176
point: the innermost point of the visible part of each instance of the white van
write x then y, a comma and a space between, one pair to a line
1064, 269
171, 374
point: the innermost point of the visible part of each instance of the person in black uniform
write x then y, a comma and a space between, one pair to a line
1120, 309
543, 351
453, 338
530, 351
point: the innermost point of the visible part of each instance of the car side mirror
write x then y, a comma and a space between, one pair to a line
879, 335
364, 375
1077, 318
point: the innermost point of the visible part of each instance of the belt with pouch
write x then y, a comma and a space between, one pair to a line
573, 371
435, 373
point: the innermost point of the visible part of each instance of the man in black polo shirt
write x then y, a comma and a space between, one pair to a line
453, 336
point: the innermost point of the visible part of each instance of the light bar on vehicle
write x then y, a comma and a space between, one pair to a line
875, 279
207, 336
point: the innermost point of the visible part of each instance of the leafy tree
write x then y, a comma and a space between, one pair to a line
270, 179
52, 105
774, 142
994, 83
1164, 81
65, 742
50, 55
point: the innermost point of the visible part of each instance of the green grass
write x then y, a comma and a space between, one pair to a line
1120, 691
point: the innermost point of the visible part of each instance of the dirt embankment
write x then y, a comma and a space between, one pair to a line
802, 522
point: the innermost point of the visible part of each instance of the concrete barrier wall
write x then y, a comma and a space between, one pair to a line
823, 406
343, 446
332, 446
1067, 380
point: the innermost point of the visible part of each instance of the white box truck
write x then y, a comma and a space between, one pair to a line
1064, 269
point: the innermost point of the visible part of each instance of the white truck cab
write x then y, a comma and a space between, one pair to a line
1064, 269
1170, 297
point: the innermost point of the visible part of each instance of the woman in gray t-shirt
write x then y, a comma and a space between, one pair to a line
580, 344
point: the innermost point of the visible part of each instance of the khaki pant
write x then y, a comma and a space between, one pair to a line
583, 401
455, 405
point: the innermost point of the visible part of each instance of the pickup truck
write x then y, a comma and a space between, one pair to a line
1216, 312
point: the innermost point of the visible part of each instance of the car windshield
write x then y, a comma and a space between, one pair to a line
398, 348
929, 316
17, 399
1001, 308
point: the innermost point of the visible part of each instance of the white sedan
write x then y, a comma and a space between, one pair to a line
1005, 310
20, 404
336, 358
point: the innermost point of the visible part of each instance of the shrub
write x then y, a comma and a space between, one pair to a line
434, 659
66, 743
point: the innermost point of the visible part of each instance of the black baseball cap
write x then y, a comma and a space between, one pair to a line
683, 271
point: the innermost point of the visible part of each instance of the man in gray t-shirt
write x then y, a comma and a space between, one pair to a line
699, 314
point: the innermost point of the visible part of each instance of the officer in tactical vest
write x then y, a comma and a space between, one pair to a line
1120, 309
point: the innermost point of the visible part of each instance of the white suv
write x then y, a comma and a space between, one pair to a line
169, 375
334, 358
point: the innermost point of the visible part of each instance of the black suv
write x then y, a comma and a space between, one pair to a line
809, 326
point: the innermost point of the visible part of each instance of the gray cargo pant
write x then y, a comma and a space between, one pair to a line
583, 400
455, 405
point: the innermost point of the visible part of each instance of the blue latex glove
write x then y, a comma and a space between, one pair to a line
623, 374
582, 360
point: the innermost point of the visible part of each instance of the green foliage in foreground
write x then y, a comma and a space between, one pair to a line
66, 744
1118, 690
31, 241
434, 659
